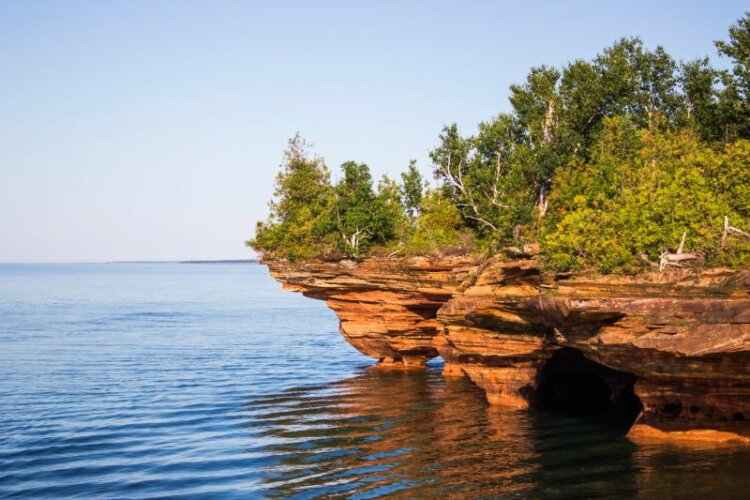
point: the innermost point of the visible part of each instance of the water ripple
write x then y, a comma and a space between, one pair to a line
208, 381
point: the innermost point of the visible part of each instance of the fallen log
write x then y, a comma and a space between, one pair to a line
525, 252
668, 259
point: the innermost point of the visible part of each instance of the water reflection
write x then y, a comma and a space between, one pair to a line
419, 435
102, 395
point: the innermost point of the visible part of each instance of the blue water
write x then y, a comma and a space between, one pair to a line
170, 380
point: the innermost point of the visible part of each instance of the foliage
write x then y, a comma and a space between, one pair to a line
411, 190
736, 93
296, 226
361, 217
605, 162
487, 176
500, 179
637, 196
731, 177
438, 226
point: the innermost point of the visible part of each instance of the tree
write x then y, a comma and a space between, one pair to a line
736, 98
536, 106
353, 207
389, 206
583, 104
361, 217
412, 188
488, 176
737, 48
656, 96
640, 194
295, 228
438, 226
698, 80
450, 156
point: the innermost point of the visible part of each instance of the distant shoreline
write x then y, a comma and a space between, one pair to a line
229, 261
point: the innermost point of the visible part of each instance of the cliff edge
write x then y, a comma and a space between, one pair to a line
671, 350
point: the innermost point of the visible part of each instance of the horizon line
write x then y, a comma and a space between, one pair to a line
252, 260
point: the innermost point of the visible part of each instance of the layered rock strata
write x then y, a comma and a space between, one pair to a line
387, 308
677, 343
684, 341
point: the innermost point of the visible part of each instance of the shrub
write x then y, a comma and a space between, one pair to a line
635, 199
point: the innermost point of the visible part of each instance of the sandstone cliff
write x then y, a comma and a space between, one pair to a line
387, 307
672, 349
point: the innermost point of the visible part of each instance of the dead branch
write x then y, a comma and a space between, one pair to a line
682, 243
730, 229
524, 252
667, 259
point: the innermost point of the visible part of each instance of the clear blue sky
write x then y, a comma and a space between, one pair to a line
153, 130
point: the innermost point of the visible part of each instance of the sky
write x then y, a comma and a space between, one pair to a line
152, 130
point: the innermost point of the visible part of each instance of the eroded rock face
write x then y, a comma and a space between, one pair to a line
491, 337
387, 307
679, 345
685, 340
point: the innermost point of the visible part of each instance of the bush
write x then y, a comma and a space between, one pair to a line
438, 226
635, 199
297, 224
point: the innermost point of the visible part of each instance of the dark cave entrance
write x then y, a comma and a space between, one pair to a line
571, 383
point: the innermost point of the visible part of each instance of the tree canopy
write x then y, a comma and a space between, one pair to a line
609, 163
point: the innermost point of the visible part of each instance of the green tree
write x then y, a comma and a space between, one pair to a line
730, 177
412, 188
536, 105
295, 228
389, 203
489, 184
362, 218
639, 194
353, 208
736, 97
450, 157
438, 226
699, 81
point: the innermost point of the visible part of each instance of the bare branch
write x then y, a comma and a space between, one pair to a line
738, 231
732, 229
479, 219
457, 182
682, 243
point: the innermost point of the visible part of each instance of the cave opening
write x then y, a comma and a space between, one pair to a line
572, 383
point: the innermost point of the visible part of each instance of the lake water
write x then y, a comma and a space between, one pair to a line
166, 380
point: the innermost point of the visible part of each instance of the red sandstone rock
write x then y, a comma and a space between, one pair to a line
387, 307
684, 338
686, 341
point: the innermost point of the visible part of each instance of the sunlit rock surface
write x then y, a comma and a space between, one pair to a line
387, 307
674, 346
